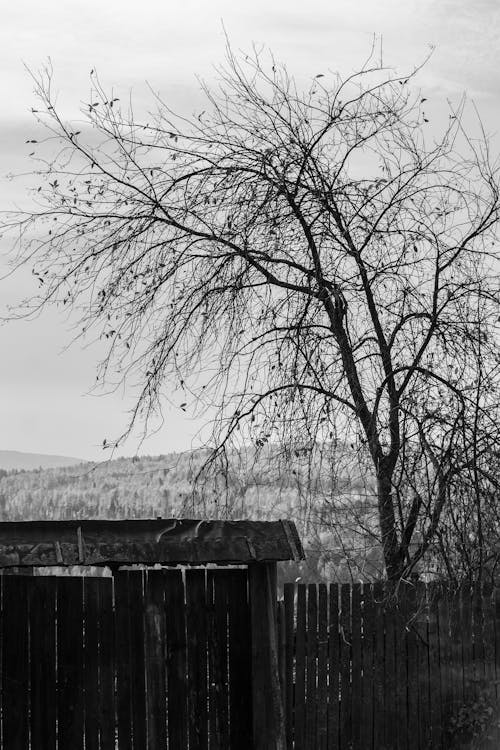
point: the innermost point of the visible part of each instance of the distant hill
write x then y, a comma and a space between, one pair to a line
10, 460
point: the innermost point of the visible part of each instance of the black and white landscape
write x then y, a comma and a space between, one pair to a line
250, 375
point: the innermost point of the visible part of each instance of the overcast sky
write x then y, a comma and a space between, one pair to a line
43, 403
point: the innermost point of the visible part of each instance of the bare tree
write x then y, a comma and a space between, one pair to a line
311, 263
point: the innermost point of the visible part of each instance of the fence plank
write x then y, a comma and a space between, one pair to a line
268, 723
91, 662
70, 678
43, 662
219, 697
456, 671
478, 669
408, 608
123, 660
496, 610
107, 708
240, 664
378, 667
422, 644
136, 613
334, 669
434, 598
312, 642
289, 599
466, 638
197, 661
356, 648
345, 667
300, 669
495, 634
15, 663
368, 613
155, 659
445, 665
176, 660
280, 614
391, 717
322, 705
402, 682
425, 682
489, 637
489, 655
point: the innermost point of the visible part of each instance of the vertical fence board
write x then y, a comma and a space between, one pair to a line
496, 615
367, 667
345, 667
489, 638
123, 660
268, 723
138, 684
300, 669
489, 656
422, 661
219, 695
289, 599
214, 672
15, 663
378, 667
70, 678
176, 660
401, 673
312, 642
107, 696
391, 716
91, 661
240, 665
456, 669
408, 609
356, 705
477, 639
197, 646
493, 636
434, 597
282, 651
43, 662
333, 669
155, 659
322, 705
445, 666
466, 638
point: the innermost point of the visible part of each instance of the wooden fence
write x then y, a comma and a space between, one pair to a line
141, 661
361, 669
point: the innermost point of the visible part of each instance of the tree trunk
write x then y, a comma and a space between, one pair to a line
392, 552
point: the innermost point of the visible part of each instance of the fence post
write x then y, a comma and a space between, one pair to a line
268, 718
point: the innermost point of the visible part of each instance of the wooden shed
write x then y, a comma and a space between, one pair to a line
176, 647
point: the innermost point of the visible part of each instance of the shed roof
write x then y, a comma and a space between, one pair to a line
139, 541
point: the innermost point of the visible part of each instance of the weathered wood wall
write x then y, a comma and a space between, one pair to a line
146, 660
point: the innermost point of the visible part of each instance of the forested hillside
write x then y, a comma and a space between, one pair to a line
335, 518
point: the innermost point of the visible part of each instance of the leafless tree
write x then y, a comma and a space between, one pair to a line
312, 263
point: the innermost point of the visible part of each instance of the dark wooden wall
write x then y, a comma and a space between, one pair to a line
146, 660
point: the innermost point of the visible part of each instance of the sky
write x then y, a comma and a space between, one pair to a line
45, 404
